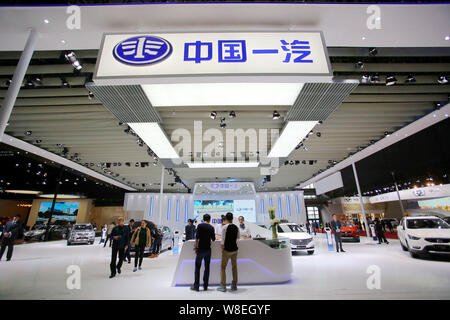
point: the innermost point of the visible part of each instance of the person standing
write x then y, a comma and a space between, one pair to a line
204, 235
157, 236
308, 227
245, 231
315, 227
336, 227
389, 225
230, 236
380, 232
141, 240
190, 230
108, 235
104, 233
130, 233
9, 233
120, 239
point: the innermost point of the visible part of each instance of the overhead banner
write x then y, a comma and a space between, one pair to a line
157, 56
329, 183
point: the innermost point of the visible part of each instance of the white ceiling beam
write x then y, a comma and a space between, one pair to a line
22, 145
405, 132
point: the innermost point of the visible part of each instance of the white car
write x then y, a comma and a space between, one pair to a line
424, 235
300, 240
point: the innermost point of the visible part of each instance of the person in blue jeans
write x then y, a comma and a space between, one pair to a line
205, 234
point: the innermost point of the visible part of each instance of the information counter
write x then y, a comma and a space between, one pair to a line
259, 262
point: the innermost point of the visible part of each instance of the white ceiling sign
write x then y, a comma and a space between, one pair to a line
147, 58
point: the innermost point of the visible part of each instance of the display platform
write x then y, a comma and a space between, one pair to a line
259, 262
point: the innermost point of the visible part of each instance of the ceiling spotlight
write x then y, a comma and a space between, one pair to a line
365, 78
375, 78
28, 133
223, 125
318, 134
359, 65
213, 115
373, 51
410, 79
76, 64
59, 145
232, 114
38, 141
8, 82
390, 80
70, 56
90, 95
437, 105
276, 115
442, 79
37, 80
29, 84
137, 164
387, 134
320, 122
64, 83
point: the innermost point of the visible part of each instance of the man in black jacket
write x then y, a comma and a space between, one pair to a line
130, 233
10, 232
190, 230
380, 232
120, 241
336, 227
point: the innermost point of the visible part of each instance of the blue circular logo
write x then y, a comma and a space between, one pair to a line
142, 50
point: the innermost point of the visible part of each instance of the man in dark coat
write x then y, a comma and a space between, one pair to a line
380, 232
336, 227
10, 232
190, 230
120, 241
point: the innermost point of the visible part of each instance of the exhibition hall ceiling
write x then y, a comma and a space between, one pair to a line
55, 111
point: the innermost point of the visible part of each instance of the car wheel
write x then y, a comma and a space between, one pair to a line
358, 240
414, 255
91, 242
403, 247
310, 251
68, 243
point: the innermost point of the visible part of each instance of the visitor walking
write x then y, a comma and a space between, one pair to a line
120, 240
141, 239
104, 234
9, 234
108, 235
230, 236
157, 236
205, 234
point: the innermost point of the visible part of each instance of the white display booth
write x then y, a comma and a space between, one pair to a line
177, 208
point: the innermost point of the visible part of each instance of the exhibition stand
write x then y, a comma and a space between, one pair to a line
259, 262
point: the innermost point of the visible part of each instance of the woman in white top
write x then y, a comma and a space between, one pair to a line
104, 230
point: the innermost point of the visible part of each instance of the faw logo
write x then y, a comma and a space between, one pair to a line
142, 50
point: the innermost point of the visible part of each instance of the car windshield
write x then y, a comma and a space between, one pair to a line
82, 227
291, 228
427, 224
347, 223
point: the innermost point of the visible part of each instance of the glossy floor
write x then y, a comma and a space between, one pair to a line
39, 271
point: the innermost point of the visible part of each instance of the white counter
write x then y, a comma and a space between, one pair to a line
258, 263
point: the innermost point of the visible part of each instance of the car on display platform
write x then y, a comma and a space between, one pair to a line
300, 240
424, 235
37, 233
349, 231
81, 233
167, 237
446, 219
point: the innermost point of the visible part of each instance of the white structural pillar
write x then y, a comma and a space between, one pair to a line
361, 201
398, 195
161, 192
14, 87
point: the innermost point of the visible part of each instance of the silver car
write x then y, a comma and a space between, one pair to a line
81, 233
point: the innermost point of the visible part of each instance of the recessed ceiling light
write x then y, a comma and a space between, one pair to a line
293, 133
447, 38
63, 41
222, 94
363, 38
46, 21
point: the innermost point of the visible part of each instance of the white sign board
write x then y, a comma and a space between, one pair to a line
329, 183
155, 56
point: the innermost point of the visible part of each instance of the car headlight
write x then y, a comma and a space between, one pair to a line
413, 237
